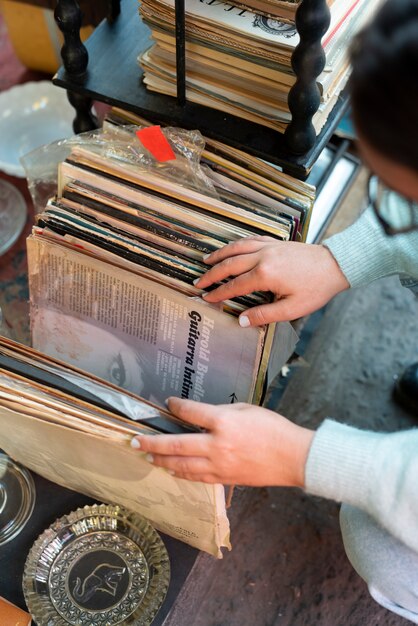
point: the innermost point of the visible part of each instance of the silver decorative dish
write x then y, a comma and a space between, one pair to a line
100, 565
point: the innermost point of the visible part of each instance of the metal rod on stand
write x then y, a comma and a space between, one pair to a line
180, 51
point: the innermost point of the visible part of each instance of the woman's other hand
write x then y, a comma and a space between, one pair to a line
243, 444
303, 277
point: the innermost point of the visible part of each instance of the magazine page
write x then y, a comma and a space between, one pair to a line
111, 471
225, 16
137, 334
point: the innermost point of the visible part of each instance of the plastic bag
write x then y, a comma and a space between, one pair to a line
121, 144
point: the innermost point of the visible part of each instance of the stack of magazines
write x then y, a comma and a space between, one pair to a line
239, 61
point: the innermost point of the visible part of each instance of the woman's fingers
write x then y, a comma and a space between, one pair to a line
239, 286
198, 469
183, 466
174, 445
245, 245
207, 416
280, 311
201, 478
232, 266
197, 413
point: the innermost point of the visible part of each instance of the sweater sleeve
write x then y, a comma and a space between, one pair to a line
365, 253
376, 472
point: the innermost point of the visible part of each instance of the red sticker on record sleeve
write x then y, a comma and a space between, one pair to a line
153, 139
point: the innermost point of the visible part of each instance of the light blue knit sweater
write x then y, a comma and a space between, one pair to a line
375, 472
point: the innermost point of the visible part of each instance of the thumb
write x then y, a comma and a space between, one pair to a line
279, 311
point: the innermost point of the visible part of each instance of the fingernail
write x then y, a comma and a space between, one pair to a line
135, 443
149, 458
196, 280
205, 258
171, 472
204, 294
243, 321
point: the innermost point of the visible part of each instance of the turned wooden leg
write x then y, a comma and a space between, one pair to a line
113, 10
75, 58
308, 61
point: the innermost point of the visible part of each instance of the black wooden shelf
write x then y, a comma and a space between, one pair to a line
114, 76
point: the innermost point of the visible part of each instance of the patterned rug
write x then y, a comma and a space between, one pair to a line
13, 268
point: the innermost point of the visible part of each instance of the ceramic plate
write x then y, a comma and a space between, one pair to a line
17, 498
100, 565
13, 214
31, 115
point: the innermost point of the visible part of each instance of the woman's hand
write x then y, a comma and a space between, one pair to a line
302, 276
243, 444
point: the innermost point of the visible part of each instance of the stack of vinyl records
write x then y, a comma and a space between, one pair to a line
114, 257
245, 180
239, 61
118, 324
312, 202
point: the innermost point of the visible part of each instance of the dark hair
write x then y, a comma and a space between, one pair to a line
384, 81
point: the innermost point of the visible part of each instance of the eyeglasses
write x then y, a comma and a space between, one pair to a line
396, 214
